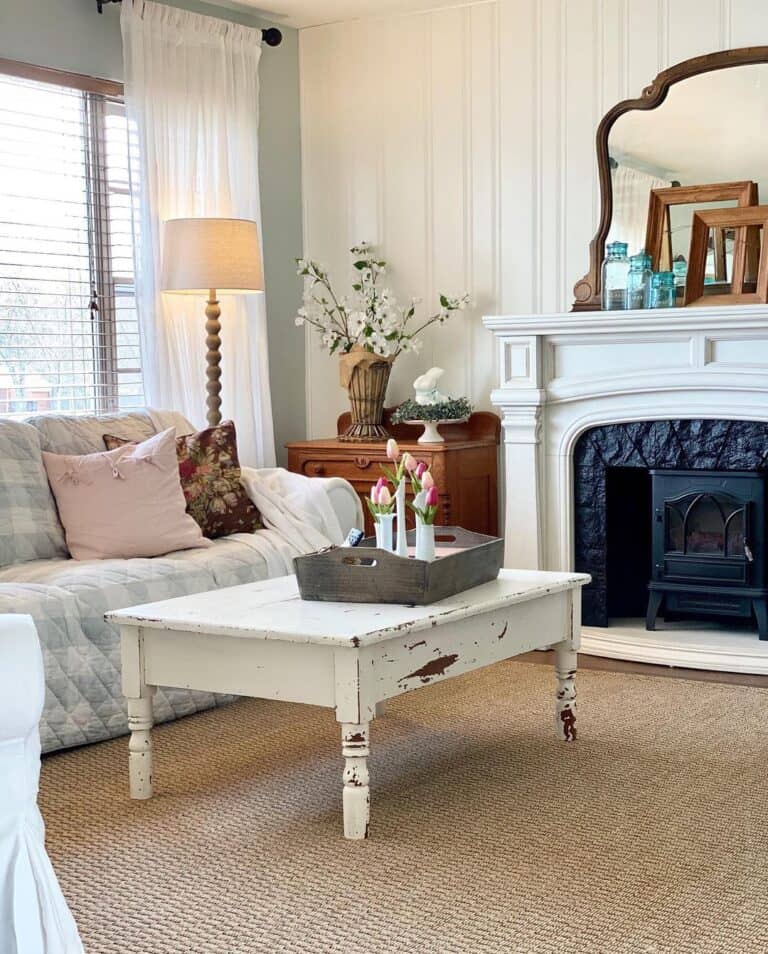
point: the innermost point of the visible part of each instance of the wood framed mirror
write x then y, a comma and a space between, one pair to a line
712, 128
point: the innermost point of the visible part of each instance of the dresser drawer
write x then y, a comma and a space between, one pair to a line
359, 469
355, 468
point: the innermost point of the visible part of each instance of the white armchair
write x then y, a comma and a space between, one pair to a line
34, 917
344, 501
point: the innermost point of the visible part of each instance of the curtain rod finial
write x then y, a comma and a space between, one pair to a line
272, 36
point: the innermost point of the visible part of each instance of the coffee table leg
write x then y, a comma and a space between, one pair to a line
357, 797
565, 705
140, 744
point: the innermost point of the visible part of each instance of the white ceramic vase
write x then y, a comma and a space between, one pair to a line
402, 544
383, 528
425, 540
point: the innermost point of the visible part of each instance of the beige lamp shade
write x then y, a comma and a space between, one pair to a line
201, 254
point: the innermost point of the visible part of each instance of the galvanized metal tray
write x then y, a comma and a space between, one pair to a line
366, 574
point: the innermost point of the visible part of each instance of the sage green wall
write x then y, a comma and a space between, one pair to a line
70, 35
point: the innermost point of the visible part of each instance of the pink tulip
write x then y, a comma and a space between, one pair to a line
375, 491
427, 480
381, 482
431, 500
409, 462
385, 497
393, 451
420, 469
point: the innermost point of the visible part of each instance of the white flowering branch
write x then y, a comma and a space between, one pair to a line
372, 319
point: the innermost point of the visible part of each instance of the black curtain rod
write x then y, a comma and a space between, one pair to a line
271, 36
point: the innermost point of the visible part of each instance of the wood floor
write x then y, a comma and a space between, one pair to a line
645, 669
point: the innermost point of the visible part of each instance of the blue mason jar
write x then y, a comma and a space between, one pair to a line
663, 292
639, 281
614, 275
680, 271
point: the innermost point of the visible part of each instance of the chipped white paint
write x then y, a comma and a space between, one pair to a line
272, 610
565, 671
140, 745
357, 794
262, 640
139, 696
565, 708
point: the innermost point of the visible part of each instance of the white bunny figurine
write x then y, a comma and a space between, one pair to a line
426, 387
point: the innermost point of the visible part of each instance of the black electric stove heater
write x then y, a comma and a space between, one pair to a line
708, 545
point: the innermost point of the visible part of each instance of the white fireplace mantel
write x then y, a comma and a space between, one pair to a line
560, 374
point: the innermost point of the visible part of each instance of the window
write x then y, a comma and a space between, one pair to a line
69, 336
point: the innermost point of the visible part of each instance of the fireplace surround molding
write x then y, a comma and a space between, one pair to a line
562, 374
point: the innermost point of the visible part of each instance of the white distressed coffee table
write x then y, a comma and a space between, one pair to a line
262, 640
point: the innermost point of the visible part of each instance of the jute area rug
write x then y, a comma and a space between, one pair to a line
649, 835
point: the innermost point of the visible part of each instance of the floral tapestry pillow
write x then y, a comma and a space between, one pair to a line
209, 469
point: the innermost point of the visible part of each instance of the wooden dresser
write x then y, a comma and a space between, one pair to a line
465, 467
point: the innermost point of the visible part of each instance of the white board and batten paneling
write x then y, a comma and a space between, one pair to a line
400, 148
461, 141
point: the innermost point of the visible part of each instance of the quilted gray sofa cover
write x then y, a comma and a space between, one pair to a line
68, 598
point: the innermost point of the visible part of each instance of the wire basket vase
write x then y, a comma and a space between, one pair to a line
367, 390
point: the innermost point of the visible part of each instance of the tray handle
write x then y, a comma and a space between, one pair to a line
447, 537
352, 556
359, 561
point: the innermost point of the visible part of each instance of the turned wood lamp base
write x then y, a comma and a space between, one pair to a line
213, 358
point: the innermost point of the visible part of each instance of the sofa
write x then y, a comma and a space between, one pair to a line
68, 599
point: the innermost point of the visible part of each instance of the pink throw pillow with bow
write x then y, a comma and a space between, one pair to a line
123, 503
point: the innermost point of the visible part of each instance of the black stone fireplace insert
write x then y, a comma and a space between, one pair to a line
614, 517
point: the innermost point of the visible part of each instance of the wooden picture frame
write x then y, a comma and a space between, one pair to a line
746, 222
658, 239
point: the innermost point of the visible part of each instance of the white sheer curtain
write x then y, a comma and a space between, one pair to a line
192, 90
631, 191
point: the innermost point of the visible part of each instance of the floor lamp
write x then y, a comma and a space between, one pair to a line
208, 257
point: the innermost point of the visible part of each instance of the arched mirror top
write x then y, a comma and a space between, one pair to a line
698, 137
